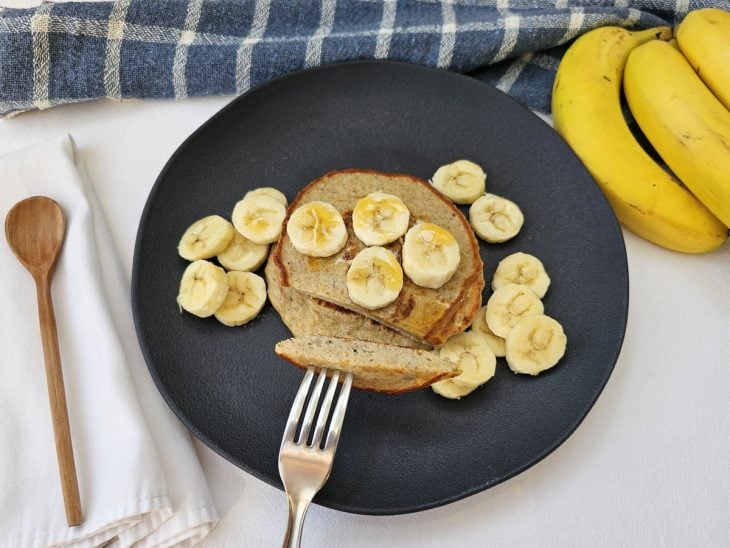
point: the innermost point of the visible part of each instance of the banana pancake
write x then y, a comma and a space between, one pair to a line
304, 315
428, 315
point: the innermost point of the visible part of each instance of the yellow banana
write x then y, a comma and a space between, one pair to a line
704, 38
587, 114
684, 122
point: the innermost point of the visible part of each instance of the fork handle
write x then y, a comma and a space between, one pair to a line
297, 510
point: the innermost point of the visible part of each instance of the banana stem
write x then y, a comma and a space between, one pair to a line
656, 33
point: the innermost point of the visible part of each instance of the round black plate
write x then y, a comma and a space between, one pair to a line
397, 453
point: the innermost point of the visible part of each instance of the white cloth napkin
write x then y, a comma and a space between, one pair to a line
139, 477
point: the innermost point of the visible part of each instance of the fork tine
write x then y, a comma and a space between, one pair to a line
325, 409
338, 416
296, 408
311, 408
305, 469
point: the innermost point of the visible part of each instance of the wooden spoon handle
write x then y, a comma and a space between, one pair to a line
57, 399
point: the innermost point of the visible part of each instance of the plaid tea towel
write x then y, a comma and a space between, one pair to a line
69, 52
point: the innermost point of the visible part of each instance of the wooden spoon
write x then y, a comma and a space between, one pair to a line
35, 229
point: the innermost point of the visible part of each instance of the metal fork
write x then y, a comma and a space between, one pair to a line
304, 468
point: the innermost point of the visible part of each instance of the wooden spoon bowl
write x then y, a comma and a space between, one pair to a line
35, 229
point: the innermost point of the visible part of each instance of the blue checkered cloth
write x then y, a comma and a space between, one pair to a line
70, 52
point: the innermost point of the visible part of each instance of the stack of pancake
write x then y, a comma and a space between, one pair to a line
389, 348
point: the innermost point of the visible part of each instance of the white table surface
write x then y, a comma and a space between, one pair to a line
649, 466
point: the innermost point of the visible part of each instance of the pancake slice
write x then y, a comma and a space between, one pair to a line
375, 366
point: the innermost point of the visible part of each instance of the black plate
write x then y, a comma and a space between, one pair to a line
402, 453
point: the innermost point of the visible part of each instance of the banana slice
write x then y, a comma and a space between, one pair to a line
495, 219
496, 343
380, 218
317, 229
375, 278
243, 254
522, 268
259, 218
203, 288
205, 238
269, 191
471, 352
245, 297
475, 358
462, 181
431, 255
535, 344
449, 389
508, 305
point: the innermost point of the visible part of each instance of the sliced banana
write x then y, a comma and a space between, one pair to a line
205, 238
449, 389
203, 288
495, 219
471, 352
508, 305
536, 343
496, 343
462, 181
243, 254
380, 218
269, 191
522, 268
431, 255
317, 229
375, 278
259, 218
475, 358
245, 297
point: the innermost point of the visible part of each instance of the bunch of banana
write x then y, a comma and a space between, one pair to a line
704, 38
686, 124
587, 113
